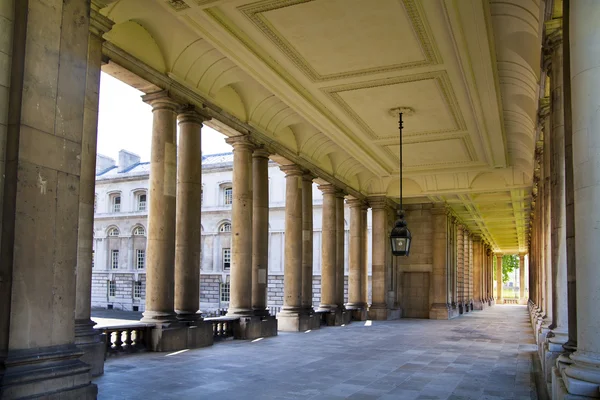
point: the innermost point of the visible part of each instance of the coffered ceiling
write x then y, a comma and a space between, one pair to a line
319, 78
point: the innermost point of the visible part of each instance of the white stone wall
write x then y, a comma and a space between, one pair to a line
214, 213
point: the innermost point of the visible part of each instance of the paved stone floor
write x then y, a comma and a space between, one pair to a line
482, 355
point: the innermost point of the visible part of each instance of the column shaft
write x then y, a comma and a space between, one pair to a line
340, 235
240, 303
379, 243
45, 119
292, 298
328, 249
460, 261
356, 259
365, 254
307, 243
522, 278
260, 231
160, 253
583, 378
440, 307
188, 218
499, 282
87, 338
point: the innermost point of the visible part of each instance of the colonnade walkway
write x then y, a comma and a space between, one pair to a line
482, 355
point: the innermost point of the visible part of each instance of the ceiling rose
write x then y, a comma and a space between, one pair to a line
406, 111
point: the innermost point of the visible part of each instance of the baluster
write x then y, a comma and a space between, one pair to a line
118, 341
128, 341
108, 343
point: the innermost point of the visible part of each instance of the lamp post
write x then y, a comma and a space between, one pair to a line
400, 237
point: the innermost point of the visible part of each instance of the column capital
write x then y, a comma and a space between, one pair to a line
189, 113
261, 152
161, 101
352, 202
440, 210
339, 193
309, 176
378, 202
99, 24
461, 227
291, 170
242, 142
327, 188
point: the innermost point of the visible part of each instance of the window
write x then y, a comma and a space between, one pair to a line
228, 196
113, 232
141, 202
224, 289
226, 259
139, 231
137, 289
140, 258
93, 253
112, 288
95, 202
201, 197
225, 227
116, 203
114, 259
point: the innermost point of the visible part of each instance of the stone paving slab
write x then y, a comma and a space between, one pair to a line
481, 355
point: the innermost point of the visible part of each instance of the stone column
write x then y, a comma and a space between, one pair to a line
46, 118
160, 253
471, 267
583, 377
439, 282
460, 268
365, 254
260, 231
356, 259
292, 299
188, 219
240, 303
339, 254
466, 263
478, 272
522, 298
328, 250
86, 337
559, 324
378, 309
307, 243
499, 282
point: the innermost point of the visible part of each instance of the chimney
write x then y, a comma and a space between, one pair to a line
103, 163
127, 159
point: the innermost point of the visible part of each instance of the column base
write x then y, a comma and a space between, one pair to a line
358, 311
50, 372
158, 317
582, 378
551, 351
479, 305
523, 301
298, 322
92, 343
261, 312
174, 337
384, 314
440, 311
188, 317
250, 328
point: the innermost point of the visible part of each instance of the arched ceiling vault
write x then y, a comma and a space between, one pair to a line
316, 80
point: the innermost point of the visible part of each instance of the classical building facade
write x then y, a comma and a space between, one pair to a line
500, 102
121, 223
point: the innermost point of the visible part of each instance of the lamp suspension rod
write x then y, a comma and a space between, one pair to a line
400, 127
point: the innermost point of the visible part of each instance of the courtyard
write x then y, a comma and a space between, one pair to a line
487, 354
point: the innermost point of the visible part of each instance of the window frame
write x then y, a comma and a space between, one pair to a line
224, 292
136, 233
227, 195
225, 227
112, 288
139, 202
137, 289
137, 258
115, 206
226, 258
111, 230
114, 262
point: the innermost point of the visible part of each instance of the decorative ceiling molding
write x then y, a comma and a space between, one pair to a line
255, 12
441, 80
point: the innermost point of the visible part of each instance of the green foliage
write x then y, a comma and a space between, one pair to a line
509, 265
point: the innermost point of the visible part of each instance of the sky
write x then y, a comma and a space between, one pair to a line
125, 122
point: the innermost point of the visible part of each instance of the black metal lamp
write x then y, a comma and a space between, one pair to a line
400, 237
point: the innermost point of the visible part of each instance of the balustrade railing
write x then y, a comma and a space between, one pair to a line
125, 338
222, 327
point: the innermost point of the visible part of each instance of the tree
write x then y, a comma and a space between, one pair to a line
509, 264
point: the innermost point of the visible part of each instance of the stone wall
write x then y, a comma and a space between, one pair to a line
416, 269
